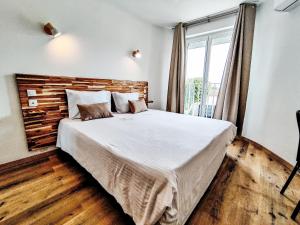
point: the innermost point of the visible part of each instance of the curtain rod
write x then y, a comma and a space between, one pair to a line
211, 17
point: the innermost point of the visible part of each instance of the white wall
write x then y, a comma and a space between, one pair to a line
96, 42
274, 92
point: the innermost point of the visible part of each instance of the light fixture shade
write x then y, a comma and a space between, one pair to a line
51, 30
137, 54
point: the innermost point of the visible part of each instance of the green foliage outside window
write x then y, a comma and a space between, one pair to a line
193, 94
193, 97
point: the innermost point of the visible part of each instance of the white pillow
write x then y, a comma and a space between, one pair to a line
121, 100
85, 97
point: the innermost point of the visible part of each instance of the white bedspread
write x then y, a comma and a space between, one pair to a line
156, 164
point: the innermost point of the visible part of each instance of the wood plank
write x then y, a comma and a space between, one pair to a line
19, 207
94, 211
58, 175
29, 173
65, 208
18, 164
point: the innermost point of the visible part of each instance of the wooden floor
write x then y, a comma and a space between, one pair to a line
56, 190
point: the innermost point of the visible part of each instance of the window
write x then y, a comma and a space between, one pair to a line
206, 58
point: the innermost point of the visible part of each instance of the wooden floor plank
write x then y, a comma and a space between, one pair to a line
56, 190
59, 210
37, 183
19, 176
15, 207
92, 212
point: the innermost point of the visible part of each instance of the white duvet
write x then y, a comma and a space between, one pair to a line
156, 164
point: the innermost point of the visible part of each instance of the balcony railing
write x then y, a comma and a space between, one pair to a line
204, 104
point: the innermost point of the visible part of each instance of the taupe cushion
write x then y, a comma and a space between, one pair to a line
94, 111
137, 106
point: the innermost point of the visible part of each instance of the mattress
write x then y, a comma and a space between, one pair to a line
156, 164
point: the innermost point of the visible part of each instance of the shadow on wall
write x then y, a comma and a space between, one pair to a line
155, 53
158, 68
29, 25
12, 135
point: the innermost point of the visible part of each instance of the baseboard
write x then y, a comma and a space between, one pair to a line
269, 152
25, 161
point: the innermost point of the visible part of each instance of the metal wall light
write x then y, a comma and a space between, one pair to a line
136, 54
51, 30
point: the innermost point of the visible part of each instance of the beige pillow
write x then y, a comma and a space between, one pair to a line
137, 106
94, 111
121, 100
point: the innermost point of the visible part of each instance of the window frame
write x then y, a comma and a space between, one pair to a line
208, 38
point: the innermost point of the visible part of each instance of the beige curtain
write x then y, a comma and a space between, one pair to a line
175, 101
232, 98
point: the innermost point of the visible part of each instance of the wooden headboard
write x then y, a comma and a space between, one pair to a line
41, 122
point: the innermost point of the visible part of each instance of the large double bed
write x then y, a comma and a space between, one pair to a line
156, 164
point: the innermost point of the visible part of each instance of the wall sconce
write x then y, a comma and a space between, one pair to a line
51, 30
136, 54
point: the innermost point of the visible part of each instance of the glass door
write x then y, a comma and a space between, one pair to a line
206, 58
196, 54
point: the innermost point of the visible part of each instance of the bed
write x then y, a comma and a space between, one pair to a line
156, 164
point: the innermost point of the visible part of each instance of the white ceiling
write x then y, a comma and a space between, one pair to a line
167, 13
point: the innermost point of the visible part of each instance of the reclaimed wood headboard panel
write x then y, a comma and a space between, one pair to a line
41, 122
